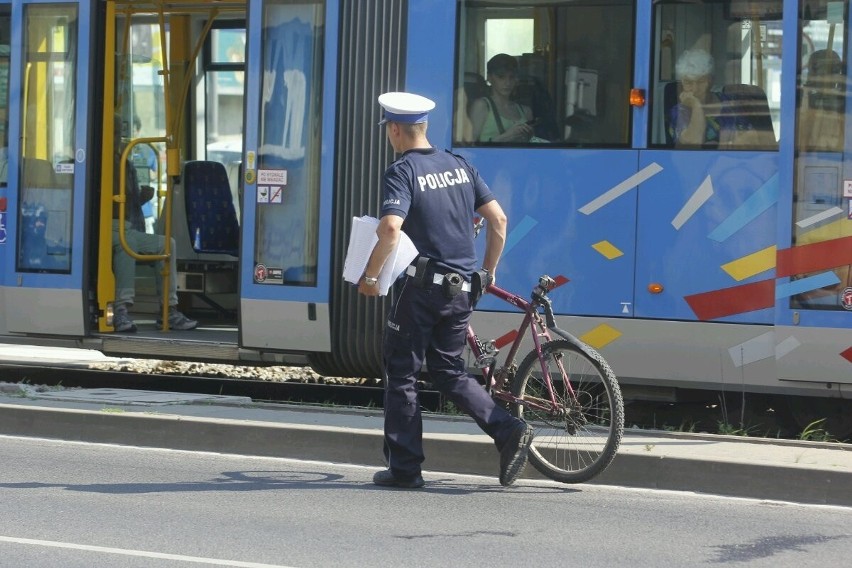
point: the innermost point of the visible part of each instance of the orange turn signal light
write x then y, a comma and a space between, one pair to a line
637, 97
655, 287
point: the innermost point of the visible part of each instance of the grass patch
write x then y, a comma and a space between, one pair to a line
816, 433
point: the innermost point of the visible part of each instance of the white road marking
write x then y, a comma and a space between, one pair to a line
140, 553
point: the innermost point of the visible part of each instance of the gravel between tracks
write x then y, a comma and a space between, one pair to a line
218, 370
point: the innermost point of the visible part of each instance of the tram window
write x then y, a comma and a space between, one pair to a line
821, 78
139, 92
716, 74
225, 55
224, 74
47, 138
287, 220
543, 72
820, 206
5, 39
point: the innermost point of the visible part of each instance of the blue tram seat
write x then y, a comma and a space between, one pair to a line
670, 99
749, 104
746, 104
210, 213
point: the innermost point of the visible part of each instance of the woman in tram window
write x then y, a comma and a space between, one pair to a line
498, 118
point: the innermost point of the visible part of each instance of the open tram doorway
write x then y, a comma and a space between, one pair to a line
234, 136
172, 139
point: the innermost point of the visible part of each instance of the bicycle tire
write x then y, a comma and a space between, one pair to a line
580, 440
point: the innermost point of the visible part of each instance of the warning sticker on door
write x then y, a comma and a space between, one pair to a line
272, 177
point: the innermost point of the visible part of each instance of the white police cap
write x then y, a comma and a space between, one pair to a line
405, 107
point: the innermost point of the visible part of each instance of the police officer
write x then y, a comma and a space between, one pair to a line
432, 195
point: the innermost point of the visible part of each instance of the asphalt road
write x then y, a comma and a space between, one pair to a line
77, 504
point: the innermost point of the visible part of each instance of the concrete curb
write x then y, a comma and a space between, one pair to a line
457, 453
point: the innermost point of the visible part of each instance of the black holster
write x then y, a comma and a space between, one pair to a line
419, 277
479, 281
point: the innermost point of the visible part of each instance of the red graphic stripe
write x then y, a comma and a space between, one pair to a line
814, 257
560, 280
504, 340
847, 354
732, 301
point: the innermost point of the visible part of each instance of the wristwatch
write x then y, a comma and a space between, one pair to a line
370, 281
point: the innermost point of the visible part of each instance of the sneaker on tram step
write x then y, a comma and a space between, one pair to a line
178, 321
121, 322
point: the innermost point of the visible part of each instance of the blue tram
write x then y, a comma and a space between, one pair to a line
687, 183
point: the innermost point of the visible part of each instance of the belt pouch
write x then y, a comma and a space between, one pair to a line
451, 285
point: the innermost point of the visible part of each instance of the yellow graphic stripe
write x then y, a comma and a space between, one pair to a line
600, 336
749, 265
607, 249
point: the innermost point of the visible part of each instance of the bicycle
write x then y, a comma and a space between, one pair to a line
563, 389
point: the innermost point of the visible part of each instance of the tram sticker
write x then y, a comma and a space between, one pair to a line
2, 227
846, 299
250, 160
64, 168
265, 275
262, 194
834, 12
275, 194
272, 177
849, 214
847, 188
259, 273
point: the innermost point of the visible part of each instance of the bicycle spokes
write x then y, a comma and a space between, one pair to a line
573, 403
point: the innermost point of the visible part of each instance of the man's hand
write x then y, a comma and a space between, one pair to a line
366, 290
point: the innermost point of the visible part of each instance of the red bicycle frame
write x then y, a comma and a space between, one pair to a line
485, 352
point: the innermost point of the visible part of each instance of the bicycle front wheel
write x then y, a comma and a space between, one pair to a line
577, 437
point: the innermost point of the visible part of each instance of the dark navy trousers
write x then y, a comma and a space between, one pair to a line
425, 326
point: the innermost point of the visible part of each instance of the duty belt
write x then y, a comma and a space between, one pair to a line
437, 278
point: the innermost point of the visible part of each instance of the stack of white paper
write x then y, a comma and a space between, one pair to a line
362, 239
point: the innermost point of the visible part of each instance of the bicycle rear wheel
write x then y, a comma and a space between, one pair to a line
579, 437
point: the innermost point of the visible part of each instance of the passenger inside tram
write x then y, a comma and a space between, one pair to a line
698, 115
497, 116
37, 253
822, 111
124, 265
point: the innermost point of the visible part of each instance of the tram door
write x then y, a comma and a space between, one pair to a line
707, 217
287, 175
44, 94
814, 292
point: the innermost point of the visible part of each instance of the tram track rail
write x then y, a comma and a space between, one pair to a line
287, 391
317, 390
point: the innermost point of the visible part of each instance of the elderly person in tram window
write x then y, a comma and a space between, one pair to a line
707, 118
695, 120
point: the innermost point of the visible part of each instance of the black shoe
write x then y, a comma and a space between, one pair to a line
386, 479
513, 455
